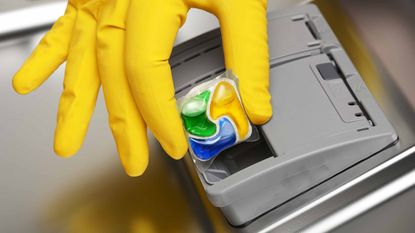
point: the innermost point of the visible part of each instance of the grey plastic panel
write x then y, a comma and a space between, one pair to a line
298, 33
306, 106
320, 127
183, 63
293, 38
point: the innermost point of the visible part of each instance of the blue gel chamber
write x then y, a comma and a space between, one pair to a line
205, 149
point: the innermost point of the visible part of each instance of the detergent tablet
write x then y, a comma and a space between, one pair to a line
213, 117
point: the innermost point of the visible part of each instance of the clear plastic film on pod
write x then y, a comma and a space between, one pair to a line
214, 119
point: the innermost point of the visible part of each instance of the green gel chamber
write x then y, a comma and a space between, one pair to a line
195, 119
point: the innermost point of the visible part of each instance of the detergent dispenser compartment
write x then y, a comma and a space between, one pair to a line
237, 158
324, 121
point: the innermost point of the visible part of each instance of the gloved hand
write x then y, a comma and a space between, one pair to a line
125, 45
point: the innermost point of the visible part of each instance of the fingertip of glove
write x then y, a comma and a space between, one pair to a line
134, 165
175, 145
65, 150
134, 172
257, 104
260, 117
20, 86
63, 153
177, 151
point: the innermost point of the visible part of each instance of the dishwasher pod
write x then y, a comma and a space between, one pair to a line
325, 119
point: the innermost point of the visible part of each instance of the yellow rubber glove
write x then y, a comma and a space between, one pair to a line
72, 38
126, 46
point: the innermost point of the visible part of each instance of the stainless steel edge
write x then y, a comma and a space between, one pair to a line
361, 205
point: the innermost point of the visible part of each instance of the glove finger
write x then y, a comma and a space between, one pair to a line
244, 34
81, 86
48, 55
127, 125
150, 34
